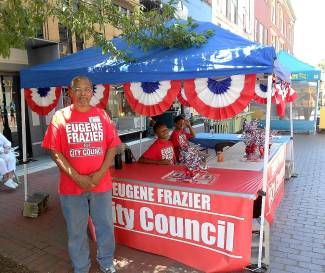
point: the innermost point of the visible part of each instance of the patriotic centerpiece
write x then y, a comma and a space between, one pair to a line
193, 162
254, 138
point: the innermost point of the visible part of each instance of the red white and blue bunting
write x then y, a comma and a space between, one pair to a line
151, 98
100, 95
260, 92
182, 98
292, 94
282, 92
42, 100
220, 98
278, 98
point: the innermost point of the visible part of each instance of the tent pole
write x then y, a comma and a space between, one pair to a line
265, 163
292, 155
141, 127
316, 108
23, 128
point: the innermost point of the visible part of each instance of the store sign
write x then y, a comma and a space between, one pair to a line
305, 76
195, 228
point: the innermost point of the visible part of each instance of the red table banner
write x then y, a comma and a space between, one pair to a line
202, 229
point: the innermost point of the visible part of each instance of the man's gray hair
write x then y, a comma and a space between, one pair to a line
78, 78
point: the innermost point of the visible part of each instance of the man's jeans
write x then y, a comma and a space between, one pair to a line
76, 209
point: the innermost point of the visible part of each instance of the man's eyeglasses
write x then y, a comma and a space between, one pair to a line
88, 89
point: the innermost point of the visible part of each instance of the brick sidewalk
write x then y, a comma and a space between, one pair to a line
298, 234
297, 239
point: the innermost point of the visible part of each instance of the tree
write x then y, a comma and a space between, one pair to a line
146, 28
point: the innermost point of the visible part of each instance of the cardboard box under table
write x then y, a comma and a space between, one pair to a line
206, 226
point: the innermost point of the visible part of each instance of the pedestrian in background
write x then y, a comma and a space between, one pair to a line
7, 162
82, 141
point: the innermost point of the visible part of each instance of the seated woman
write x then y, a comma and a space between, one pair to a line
161, 151
7, 162
179, 136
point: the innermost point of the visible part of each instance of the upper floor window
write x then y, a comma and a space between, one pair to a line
65, 40
234, 11
273, 11
261, 34
281, 20
256, 30
265, 36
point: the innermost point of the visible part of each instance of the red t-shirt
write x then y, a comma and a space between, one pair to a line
83, 138
160, 150
179, 138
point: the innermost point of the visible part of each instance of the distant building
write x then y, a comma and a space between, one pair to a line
274, 24
50, 43
235, 15
70, 43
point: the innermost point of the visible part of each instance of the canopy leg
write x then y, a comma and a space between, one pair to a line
292, 155
23, 128
265, 163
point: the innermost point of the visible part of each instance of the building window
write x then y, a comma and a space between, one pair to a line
265, 42
256, 30
65, 40
124, 11
223, 6
228, 10
79, 42
261, 34
277, 14
273, 11
40, 33
281, 21
234, 11
121, 113
245, 23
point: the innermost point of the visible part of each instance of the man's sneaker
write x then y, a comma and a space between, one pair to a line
11, 184
110, 269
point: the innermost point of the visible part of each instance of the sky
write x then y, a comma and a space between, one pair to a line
309, 43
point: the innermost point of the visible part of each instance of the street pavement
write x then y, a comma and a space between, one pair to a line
297, 236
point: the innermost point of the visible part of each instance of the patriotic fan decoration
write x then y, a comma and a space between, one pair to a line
278, 99
42, 100
220, 98
151, 98
291, 94
260, 92
182, 98
100, 95
282, 92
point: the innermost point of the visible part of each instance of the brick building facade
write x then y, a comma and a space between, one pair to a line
70, 43
274, 24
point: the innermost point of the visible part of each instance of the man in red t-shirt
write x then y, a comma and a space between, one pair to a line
82, 141
161, 151
179, 136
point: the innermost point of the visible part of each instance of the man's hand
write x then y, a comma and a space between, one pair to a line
167, 162
96, 177
84, 181
187, 123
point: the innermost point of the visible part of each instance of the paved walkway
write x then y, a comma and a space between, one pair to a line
297, 239
298, 234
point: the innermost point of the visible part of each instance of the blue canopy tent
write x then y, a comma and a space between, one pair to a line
224, 54
300, 72
281, 72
